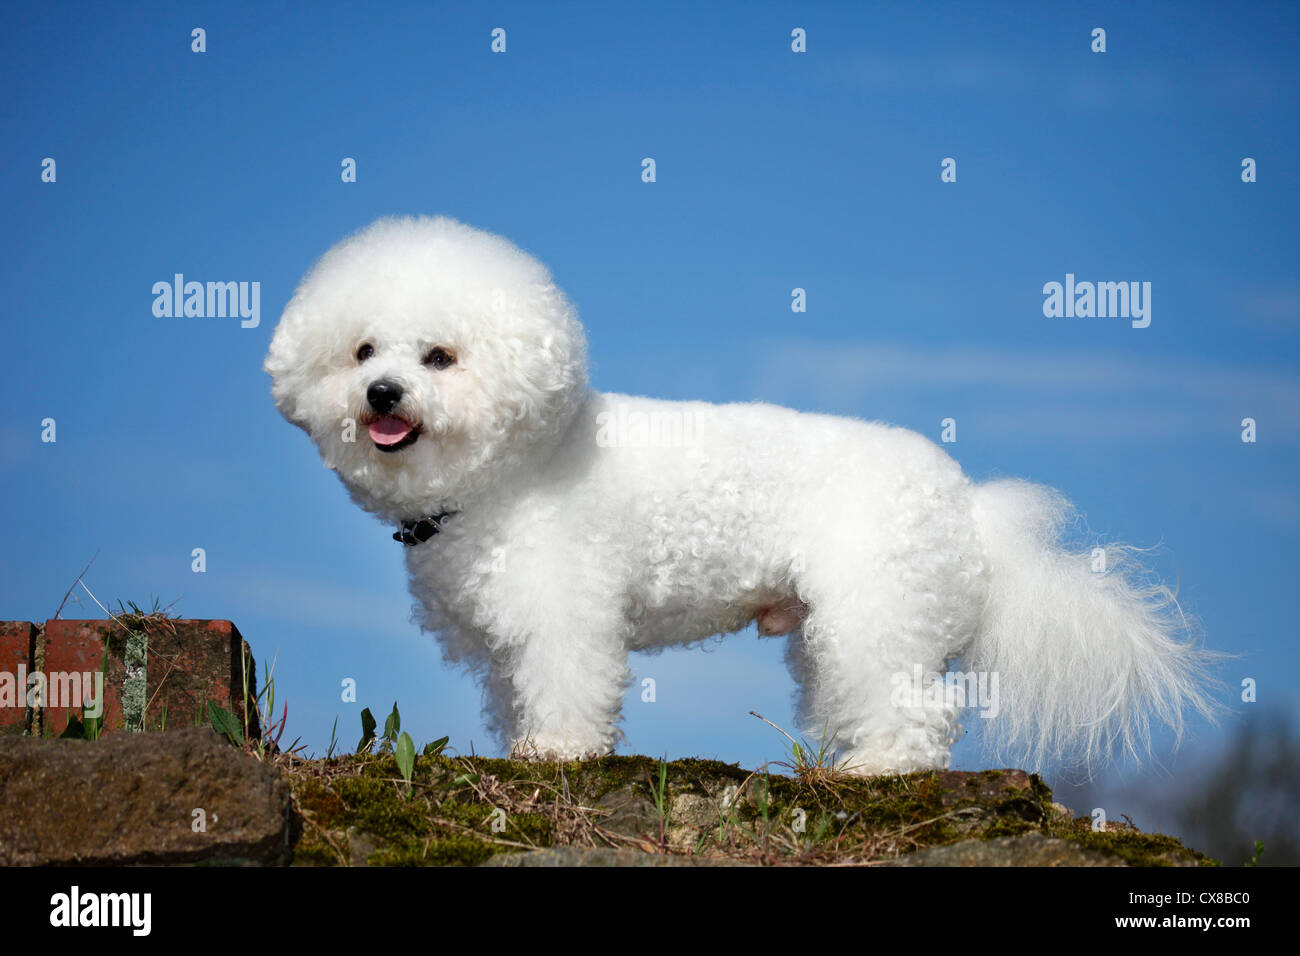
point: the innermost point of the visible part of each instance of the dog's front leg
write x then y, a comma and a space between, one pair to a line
568, 678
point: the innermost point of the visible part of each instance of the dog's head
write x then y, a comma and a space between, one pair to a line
425, 359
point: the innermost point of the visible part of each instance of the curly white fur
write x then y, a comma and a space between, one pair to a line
587, 525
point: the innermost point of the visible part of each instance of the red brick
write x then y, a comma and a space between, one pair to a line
193, 661
17, 644
78, 647
189, 663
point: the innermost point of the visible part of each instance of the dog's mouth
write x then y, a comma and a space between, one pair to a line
391, 433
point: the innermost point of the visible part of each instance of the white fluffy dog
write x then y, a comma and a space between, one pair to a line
552, 529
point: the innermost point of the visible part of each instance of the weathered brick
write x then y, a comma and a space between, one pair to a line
193, 661
68, 647
17, 644
189, 663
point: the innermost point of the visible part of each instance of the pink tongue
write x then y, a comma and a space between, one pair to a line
388, 430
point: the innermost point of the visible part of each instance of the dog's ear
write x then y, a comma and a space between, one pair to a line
543, 353
290, 364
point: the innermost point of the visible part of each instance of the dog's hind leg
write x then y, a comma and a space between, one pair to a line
892, 596
849, 673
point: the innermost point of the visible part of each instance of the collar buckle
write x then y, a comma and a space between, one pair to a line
418, 532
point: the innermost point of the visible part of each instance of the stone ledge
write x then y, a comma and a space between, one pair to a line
183, 796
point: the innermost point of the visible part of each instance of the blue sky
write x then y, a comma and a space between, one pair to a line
775, 170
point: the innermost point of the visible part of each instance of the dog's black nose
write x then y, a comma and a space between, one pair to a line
383, 396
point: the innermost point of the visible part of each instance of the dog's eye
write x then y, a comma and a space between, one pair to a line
365, 352
440, 358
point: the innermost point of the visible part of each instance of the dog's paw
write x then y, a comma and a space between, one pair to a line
874, 764
542, 751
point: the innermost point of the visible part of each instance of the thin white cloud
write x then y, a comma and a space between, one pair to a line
1144, 85
1083, 394
370, 612
889, 73
1276, 505
1276, 310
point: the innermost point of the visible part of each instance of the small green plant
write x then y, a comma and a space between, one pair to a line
392, 727
388, 739
262, 714
763, 797
1259, 851
435, 748
95, 725
367, 732
663, 803
225, 723
334, 739
404, 751
131, 609
729, 822
253, 728
811, 763
821, 833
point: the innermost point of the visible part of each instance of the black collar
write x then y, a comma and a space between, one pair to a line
417, 532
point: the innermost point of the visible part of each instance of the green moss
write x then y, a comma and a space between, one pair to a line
531, 828
309, 852
359, 806
380, 808
1005, 828
319, 800
1137, 848
448, 851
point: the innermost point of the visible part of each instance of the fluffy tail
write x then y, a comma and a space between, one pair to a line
1086, 654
